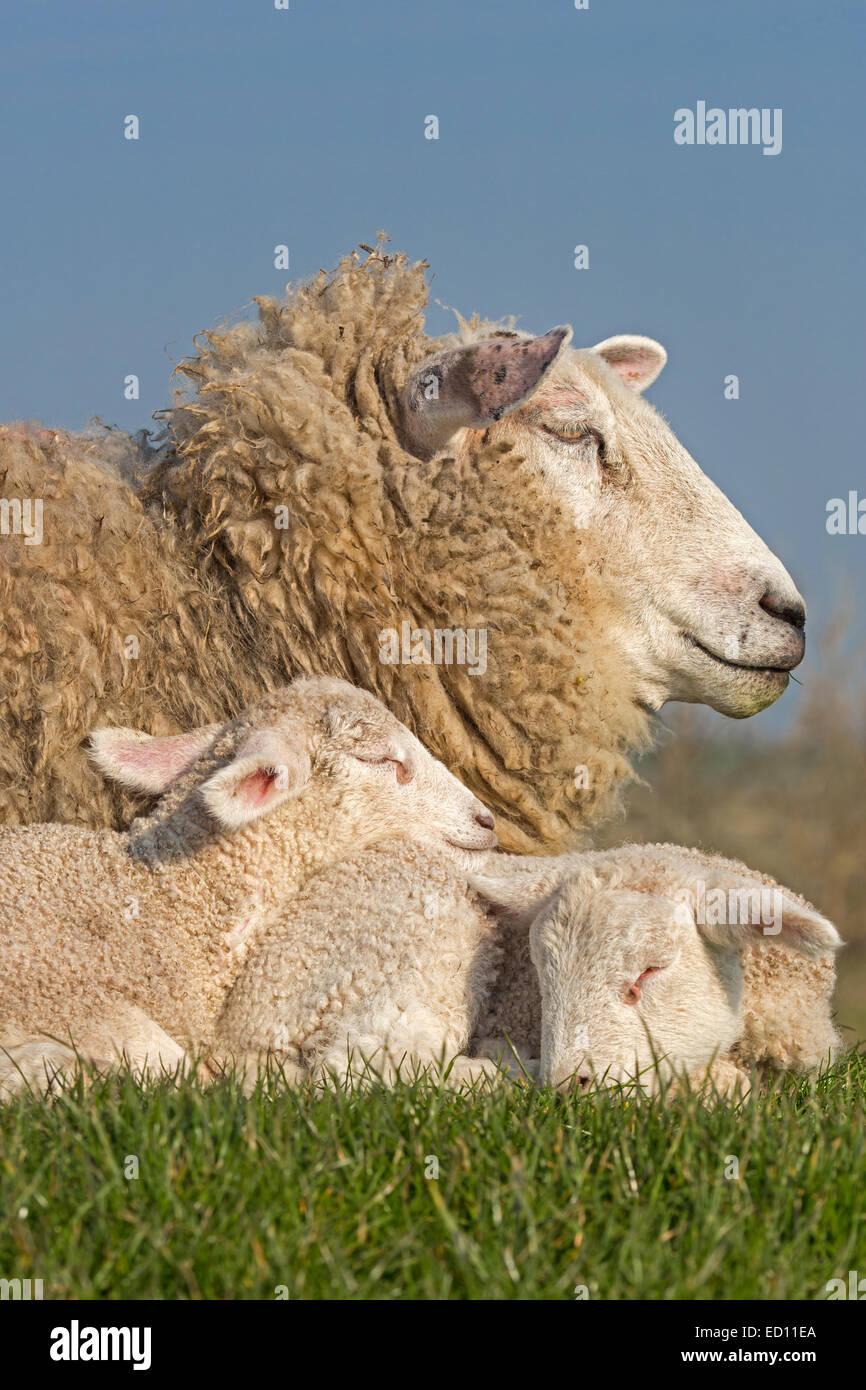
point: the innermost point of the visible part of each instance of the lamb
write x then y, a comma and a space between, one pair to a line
656, 953
393, 958
127, 942
333, 474
381, 961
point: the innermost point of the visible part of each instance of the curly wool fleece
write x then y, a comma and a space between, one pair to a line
281, 529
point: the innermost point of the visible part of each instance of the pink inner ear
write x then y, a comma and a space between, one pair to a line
255, 789
148, 763
633, 367
162, 759
633, 372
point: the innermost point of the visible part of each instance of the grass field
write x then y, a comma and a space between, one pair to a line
537, 1196
332, 1195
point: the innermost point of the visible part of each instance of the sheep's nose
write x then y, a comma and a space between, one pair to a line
484, 818
786, 609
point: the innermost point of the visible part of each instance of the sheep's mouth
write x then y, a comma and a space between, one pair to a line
484, 843
768, 671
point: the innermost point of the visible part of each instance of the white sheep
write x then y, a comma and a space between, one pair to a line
657, 953
127, 942
391, 958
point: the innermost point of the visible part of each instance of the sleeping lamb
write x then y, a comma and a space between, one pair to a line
391, 959
657, 954
127, 943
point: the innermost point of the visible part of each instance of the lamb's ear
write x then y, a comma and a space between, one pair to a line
145, 763
519, 895
637, 360
470, 387
266, 770
741, 911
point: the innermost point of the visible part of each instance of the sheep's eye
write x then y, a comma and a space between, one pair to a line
579, 434
403, 770
632, 994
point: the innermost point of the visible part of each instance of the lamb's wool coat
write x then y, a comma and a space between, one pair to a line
385, 957
392, 955
109, 939
278, 532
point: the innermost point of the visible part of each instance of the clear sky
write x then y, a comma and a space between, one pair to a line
305, 127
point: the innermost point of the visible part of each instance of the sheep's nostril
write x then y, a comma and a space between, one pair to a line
484, 818
583, 1082
791, 611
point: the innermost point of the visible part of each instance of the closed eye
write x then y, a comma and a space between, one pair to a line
403, 768
632, 994
580, 434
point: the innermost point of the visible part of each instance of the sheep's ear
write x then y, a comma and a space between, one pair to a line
145, 763
518, 895
266, 770
742, 911
637, 360
470, 387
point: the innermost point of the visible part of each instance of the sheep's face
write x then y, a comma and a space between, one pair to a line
699, 605
639, 956
629, 990
376, 777
696, 603
319, 753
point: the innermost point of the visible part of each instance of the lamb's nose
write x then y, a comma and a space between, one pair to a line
484, 818
788, 610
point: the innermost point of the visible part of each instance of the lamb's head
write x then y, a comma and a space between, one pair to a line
319, 753
636, 984
695, 602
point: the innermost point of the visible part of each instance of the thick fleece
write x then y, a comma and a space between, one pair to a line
384, 958
393, 957
291, 518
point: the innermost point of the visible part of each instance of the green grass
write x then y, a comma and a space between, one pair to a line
326, 1193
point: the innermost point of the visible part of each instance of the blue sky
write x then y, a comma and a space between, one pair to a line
306, 127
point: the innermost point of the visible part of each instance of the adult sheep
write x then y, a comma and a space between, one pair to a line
336, 489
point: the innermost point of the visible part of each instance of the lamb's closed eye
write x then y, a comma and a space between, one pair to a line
632, 993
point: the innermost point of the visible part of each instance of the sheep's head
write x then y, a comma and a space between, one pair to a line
636, 984
319, 751
698, 606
